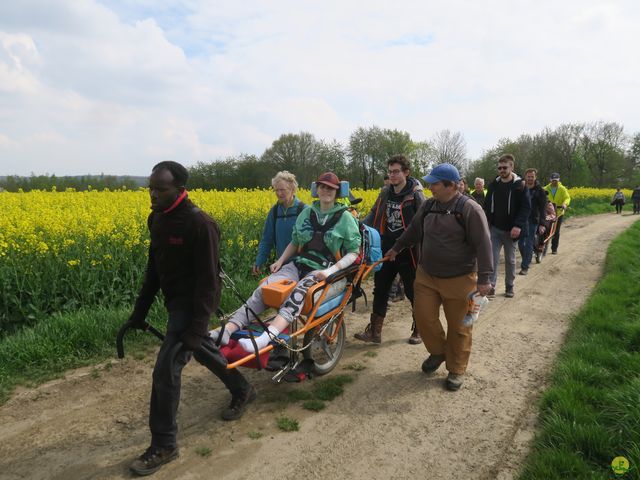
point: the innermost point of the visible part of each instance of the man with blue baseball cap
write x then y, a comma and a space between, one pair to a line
455, 260
444, 171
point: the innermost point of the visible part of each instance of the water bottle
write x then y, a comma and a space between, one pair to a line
476, 302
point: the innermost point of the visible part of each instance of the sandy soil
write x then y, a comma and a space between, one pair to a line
392, 421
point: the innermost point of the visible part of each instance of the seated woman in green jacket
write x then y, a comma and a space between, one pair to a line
325, 239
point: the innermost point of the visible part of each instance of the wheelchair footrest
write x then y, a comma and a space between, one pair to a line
238, 334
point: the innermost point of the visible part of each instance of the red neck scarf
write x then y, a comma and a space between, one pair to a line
178, 201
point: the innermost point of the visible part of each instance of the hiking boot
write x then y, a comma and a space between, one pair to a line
432, 363
492, 293
509, 293
239, 403
415, 339
454, 381
151, 460
373, 332
524, 271
554, 252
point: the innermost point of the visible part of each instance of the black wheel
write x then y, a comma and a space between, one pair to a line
325, 354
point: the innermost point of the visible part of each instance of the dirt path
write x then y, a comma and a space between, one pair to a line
392, 422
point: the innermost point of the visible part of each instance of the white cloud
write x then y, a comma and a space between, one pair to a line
121, 85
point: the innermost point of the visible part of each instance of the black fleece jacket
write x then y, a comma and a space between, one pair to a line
184, 263
518, 205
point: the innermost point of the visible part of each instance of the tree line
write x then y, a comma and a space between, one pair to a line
594, 154
362, 160
597, 154
14, 183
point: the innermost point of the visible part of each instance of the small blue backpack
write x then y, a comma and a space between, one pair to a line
372, 245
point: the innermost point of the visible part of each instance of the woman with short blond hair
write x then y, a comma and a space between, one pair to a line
280, 219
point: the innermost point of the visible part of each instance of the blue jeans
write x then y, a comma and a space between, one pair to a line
526, 244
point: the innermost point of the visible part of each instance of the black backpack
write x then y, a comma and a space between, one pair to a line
456, 212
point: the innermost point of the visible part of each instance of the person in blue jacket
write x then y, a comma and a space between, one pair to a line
280, 219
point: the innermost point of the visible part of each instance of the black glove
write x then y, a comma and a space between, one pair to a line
137, 323
191, 340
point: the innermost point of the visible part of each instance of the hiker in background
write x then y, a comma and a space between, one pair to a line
479, 192
635, 197
183, 263
463, 188
535, 223
618, 200
390, 215
507, 206
559, 196
455, 260
280, 219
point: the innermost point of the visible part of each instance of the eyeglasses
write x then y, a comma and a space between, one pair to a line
503, 168
397, 171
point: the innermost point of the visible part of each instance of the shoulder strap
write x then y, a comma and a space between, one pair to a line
428, 205
329, 224
313, 218
458, 208
276, 216
274, 210
317, 240
456, 212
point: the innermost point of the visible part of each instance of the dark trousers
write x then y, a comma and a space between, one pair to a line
526, 243
636, 206
383, 279
556, 237
167, 373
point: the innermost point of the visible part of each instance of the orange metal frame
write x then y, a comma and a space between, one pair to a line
311, 322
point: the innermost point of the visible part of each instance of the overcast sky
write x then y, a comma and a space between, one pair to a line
115, 86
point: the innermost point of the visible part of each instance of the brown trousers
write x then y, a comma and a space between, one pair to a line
452, 293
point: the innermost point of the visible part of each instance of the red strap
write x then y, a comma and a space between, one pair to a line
178, 201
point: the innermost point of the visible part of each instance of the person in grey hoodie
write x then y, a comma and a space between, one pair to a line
507, 206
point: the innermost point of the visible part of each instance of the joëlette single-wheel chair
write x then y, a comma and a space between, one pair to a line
315, 341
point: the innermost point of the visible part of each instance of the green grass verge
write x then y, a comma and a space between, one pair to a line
591, 412
65, 341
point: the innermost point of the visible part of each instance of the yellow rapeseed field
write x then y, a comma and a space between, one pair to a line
64, 250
